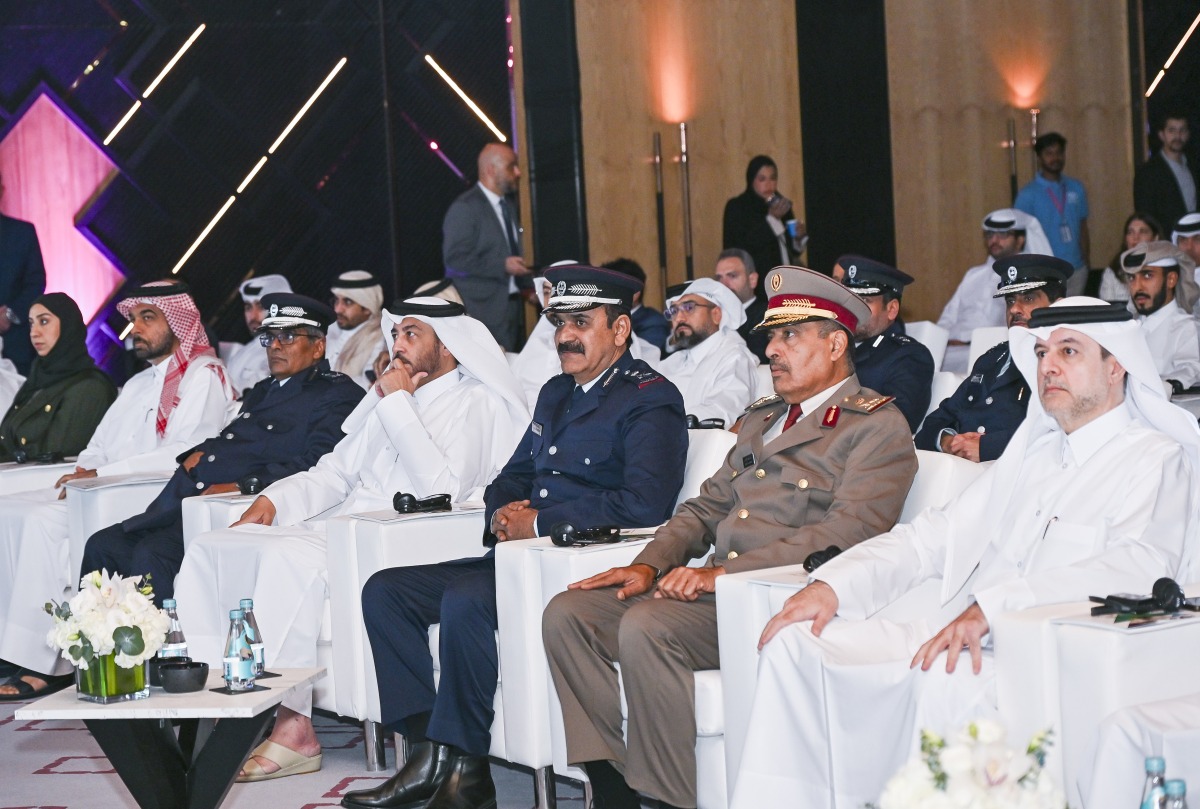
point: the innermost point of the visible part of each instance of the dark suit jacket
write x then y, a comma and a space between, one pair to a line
1155, 192
474, 249
756, 341
272, 437
22, 278
745, 225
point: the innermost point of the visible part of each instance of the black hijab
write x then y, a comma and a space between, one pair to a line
755, 166
68, 357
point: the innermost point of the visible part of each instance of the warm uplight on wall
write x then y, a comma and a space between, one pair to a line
1174, 53
262, 161
670, 62
162, 74
466, 99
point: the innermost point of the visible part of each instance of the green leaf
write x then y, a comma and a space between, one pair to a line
128, 639
75, 652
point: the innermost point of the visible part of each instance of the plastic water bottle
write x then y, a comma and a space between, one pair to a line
255, 637
238, 659
1176, 789
175, 644
1154, 795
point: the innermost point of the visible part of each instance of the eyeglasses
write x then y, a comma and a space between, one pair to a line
285, 338
687, 307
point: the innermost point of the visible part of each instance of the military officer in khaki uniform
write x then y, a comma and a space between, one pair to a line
822, 462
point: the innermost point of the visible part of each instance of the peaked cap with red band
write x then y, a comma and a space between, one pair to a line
800, 295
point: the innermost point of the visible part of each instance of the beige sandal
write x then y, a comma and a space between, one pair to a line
290, 763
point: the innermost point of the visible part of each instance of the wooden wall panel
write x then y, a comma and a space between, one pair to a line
727, 67
958, 70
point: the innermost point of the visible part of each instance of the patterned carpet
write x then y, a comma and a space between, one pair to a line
57, 765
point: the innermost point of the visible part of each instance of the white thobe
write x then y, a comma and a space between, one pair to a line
452, 436
971, 307
1171, 335
247, 364
538, 360
34, 543
1053, 527
335, 340
718, 378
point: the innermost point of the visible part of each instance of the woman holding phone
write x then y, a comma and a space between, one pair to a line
760, 220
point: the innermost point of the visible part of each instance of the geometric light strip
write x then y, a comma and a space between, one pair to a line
1174, 53
474, 107
162, 74
258, 166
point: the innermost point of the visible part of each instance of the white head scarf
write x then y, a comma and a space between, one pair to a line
1188, 225
368, 296
252, 289
733, 314
477, 352
1035, 238
1144, 394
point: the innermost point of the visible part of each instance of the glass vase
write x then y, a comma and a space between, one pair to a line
104, 681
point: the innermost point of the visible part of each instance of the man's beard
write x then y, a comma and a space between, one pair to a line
145, 350
691, 338
1156, 303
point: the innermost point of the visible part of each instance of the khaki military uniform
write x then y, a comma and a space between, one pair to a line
836, 477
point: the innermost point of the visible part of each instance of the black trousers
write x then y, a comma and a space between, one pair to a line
156, 550
399, 606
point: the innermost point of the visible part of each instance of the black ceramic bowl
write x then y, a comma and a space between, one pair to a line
181, 678
155, 662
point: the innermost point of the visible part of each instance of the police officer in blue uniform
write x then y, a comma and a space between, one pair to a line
977, 421
287, 422
607, 446
885, 358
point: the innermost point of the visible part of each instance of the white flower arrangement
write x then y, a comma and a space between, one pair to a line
109, 614
977, 771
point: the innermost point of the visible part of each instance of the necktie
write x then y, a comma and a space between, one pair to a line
576, 395
794, 413
271, 389
509, 230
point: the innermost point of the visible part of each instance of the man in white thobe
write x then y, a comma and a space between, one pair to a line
247, 362
1006, 233
444, 418
712, 367
1095, 494
354, 340
538, 360
1162, 294
179, 401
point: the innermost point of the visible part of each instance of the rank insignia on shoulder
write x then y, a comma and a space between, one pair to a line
643, 378
831, 416
868, 404
764, 401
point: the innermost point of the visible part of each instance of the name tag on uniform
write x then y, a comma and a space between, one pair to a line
977, 378
537, 428
747, 461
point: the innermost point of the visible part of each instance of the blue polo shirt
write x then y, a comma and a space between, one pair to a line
1056, 205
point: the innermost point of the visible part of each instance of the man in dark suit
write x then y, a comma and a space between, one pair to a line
481, 247
287, 422
607, 446
886, 359
736, 270
978, 420
22, 278
1165, 185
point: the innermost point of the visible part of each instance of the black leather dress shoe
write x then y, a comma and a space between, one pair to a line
468, 786
428, 766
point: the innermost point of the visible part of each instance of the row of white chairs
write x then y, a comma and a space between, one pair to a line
1047, 671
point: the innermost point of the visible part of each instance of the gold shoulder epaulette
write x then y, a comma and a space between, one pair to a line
763, 402
866, 404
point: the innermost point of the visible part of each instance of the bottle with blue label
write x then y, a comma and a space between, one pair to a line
255, 637
238, 659
175, 644
1154, 796
1176, 789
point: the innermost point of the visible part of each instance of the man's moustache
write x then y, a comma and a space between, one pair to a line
573, 348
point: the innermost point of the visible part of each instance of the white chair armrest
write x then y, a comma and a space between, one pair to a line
95, 503
1057, 666
209, 512
17, 477
358, 548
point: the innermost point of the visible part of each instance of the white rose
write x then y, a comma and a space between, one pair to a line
957, 760
989, 732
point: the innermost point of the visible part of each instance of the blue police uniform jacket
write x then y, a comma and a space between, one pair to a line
992, 400
651, 326
277, 433
616, 457
896, 365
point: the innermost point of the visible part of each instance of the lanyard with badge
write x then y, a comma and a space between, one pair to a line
1064, 230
